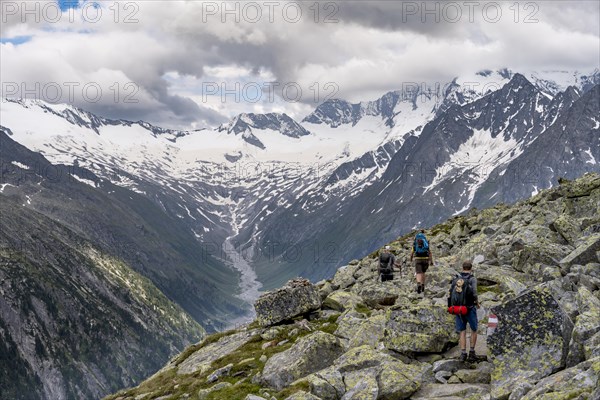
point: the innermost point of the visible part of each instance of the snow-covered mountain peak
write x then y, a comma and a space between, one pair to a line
246, 123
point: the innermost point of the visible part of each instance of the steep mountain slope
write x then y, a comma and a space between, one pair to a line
127, 225
76, 322
538, 274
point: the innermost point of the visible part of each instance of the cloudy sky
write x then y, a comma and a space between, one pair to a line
191, 64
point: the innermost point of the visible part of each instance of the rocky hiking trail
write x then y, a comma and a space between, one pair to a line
353, 337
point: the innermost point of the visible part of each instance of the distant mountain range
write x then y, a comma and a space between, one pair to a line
213, 216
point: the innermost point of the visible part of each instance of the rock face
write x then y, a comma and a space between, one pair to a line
309, 354
531, 340
297, 297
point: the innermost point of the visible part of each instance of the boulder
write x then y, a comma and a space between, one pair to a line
344, 277
325, 290
451, 365
361, 385
349, 323
370, 332
202, 358
506, 278
577, 382
328, 384
297, 297
253, 397
454, 391
587, 324
309, 354
531, 339
341, 301
568, 228
580, 187
397, 381
219, 373
482, 374
302, 396
591, 347
419, 329
379, 294
586, 252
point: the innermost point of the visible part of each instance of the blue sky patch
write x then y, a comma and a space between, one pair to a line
17, 40
66, 4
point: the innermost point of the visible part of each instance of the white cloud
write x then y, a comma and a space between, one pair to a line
176, 47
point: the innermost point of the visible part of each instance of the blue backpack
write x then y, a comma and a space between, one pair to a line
421, 246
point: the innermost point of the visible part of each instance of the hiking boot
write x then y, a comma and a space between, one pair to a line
463, 357
472, 356
418, 288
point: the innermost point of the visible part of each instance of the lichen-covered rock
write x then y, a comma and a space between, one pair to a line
531, 339
454, 391
419, 329
303, 396
568, 228
577, 382
504, 277
254, 397
591, 347
361, 385
586, 252
309, 354
327, 384
297, 297
482, 374
370, 332
202, 358
341, 301
580, 187
397, 381
379, 294
451, 365
587, 324
344, 277
325, 290
348, 324
219, 373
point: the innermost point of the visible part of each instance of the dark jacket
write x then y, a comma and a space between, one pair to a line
391, 263
471, 298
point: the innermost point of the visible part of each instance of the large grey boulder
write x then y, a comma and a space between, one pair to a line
455, 391
297, 297
577, 382
344, 277
201, 359
309, 354
586, 252
531, 340
340, 300
419, 328
379, 294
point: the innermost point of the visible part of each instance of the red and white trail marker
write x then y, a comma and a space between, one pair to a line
492, 323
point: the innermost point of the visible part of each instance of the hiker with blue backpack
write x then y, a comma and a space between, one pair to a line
422, 259
463, 303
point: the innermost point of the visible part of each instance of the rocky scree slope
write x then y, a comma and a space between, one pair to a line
352, 337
